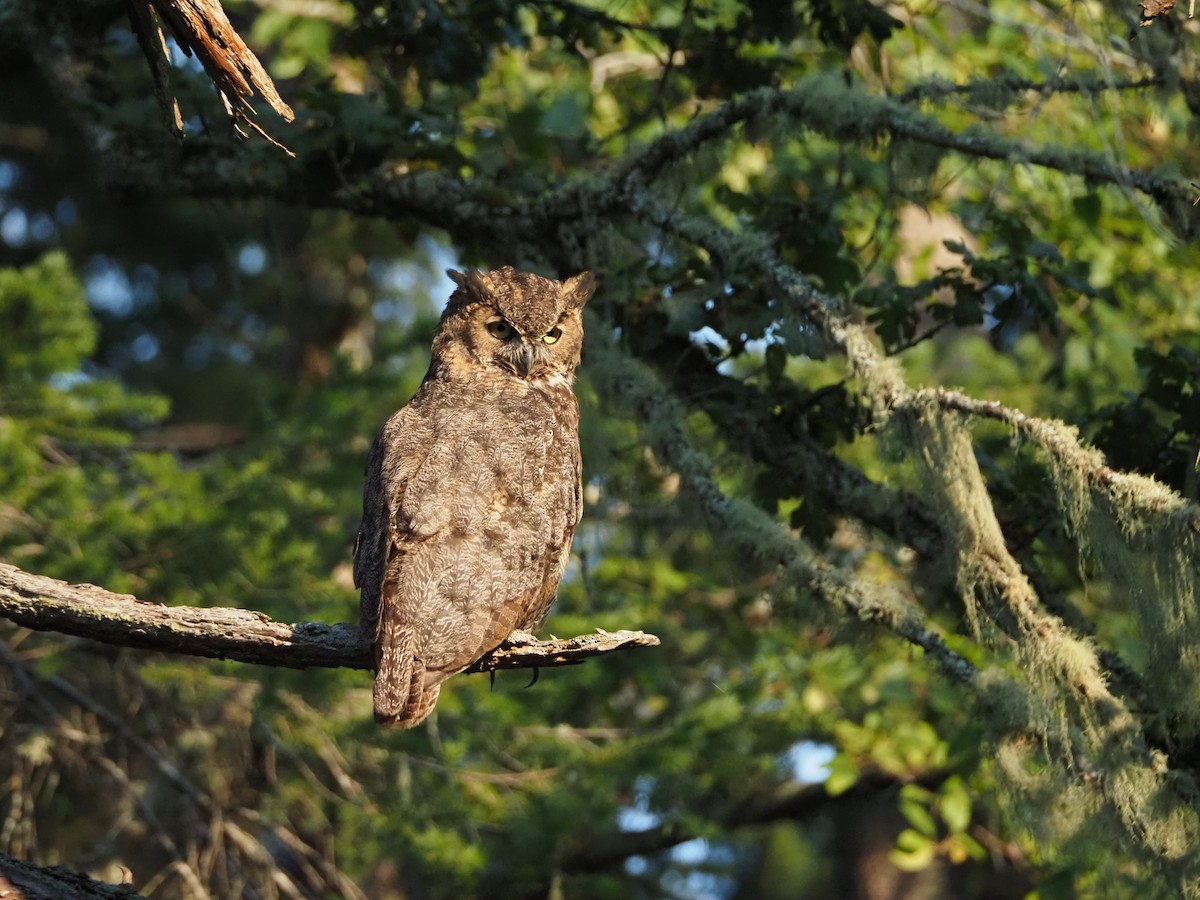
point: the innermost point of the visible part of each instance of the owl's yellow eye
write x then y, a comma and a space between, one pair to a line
500, 330
552, 336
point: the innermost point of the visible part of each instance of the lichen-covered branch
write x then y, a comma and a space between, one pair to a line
84, 610
989, 88
821, 103
760, 535
1136, 494
1138, 534
1098, 733
1063, 672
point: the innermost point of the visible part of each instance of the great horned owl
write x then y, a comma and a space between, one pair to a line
473, 489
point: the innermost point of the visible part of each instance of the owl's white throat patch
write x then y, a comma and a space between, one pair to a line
557, 380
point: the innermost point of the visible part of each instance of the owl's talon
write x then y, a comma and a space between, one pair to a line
520, 637
492, 676
533, 680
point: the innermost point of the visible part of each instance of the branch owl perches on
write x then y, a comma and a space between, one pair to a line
473, 490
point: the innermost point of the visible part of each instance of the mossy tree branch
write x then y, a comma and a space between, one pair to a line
988, 577
760, 535
820, 103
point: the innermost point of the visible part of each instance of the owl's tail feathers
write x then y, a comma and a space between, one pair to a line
393, 677
417, 703
402, 699
397, 673
420, 705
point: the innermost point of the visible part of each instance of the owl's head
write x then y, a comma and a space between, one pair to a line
529, 326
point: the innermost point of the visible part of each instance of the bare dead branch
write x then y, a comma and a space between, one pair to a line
84, 610
1152, 9
154, 48
201, 27
30, 882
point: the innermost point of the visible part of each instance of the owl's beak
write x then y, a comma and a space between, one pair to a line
525, 360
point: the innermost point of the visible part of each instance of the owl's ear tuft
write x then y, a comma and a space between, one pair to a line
471, 284
578, 289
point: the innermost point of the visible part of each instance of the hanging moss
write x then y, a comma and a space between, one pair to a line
1077, 711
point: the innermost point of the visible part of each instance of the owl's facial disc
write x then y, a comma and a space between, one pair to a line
519, 354
514, 352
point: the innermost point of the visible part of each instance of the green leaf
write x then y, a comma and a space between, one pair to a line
843, 774
919, 817
954, 804
914, 852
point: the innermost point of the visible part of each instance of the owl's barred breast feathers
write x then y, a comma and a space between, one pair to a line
473, 490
